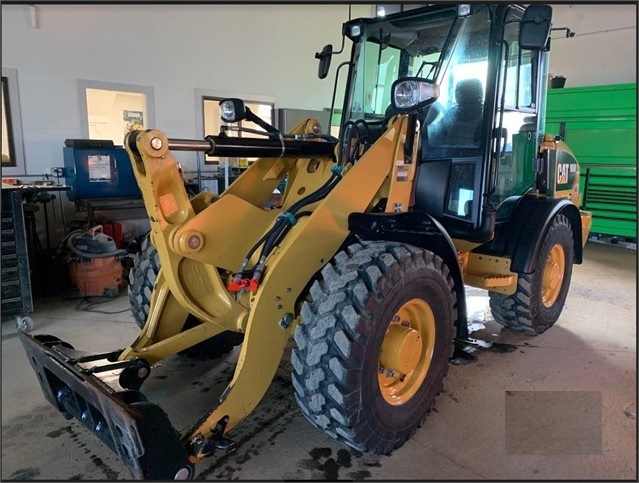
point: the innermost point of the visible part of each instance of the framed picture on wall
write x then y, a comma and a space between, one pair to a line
133, 120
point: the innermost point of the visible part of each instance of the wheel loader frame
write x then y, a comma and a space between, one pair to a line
205, 244
192, 238
263, 315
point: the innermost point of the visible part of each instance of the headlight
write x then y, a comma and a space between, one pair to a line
413, 93
464, 10
232, 110
353, 30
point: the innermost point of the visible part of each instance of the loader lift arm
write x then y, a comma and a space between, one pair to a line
101, 390
194, 278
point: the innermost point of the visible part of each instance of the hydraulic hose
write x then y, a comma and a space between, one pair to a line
284, 223
271, 238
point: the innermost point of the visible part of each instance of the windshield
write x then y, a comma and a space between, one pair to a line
435, 45
389, 50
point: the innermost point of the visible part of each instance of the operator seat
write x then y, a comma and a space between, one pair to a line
462, 123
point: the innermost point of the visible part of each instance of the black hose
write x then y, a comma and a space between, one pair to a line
321, 192
278, 232
281, 226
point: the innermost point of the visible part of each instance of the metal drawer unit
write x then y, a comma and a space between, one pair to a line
15, 279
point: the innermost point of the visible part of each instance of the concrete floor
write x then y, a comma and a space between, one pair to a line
591, 350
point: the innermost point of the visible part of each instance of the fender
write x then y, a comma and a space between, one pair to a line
419, 229
521, 238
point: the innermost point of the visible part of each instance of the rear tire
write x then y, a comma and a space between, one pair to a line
374, 345
141, 282
541, 295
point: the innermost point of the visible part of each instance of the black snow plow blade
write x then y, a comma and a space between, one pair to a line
102, 393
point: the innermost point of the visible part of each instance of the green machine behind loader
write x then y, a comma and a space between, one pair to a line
442, 177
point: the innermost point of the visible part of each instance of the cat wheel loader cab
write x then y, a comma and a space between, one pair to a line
442, 177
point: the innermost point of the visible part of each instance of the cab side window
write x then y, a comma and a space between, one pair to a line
519, 96
518, 114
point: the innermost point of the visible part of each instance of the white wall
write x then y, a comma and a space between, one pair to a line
604, 48
260, 50
256, 50
251, 49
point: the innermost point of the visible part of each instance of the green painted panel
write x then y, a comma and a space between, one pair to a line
611, 143
610, 101
601, 130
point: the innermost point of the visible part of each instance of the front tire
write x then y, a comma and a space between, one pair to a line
541, 295
374, 345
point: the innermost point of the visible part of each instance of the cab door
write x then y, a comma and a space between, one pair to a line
517, 120
450, 181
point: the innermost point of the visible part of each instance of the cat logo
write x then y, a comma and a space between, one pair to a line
562, 173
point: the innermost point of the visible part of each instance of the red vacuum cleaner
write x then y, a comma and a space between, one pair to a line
95, 269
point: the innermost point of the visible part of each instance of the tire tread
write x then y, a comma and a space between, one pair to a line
339, 306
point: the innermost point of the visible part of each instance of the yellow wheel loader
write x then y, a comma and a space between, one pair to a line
442, 177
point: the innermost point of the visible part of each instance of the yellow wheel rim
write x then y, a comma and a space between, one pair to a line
407, 350
553, 275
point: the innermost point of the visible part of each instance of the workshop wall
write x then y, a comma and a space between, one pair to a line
259, 50
604, 48
264, 50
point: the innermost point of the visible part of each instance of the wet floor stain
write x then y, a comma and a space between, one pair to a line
59, 432
502, 348
468, 353
324, 466
60, 436
108, 472
25, 474
258, 431
343, 458
359, 475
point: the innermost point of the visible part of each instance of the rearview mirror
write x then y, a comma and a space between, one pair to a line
535, 27
324, 60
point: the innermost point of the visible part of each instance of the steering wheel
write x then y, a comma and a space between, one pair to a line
350, 141
365, 134
356, 134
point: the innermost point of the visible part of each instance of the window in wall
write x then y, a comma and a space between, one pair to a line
8, 152
12, 147
213, 124
112, 110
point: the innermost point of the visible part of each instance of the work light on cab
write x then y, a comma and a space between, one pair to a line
411, 94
